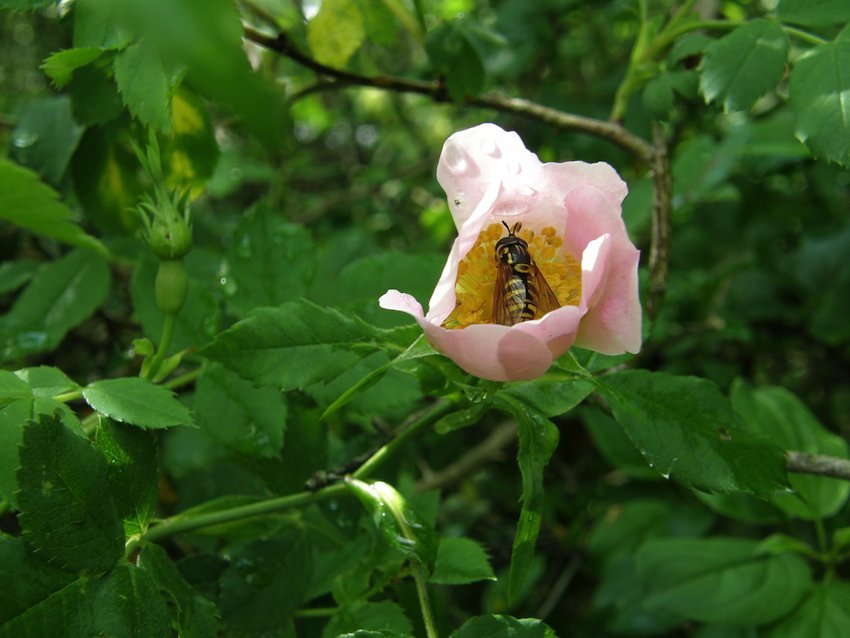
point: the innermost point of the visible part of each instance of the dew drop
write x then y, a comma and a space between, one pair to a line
244, 248
24, 139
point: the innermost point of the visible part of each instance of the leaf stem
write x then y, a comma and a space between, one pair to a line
185, 379
805, 36
165, 340
67, 397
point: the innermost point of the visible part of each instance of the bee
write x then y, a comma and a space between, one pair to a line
521, 290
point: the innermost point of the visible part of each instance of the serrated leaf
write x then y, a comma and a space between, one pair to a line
291, 346
269, 262
66, 612
497, 626
825, 613
822, 13
460, 561
61, 65
819, 86
127, 603
551, 395
137, 401
144, 86
133, 474
336, 32
245, 418
538, 438
46, 381
65, 515
779, 414
193, 615
12, 387
740, 67
614, 445
98, 23
720, 580
686, 429
31, 204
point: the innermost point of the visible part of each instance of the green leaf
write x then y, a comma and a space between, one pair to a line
45, 137
538, 438
721, 580
496, 626
741, 67
193, 615
264, 582
658, 96
779, 414
65, 515
336, 32
385, 618
550, 395
686, 429
460, 561
819, 85
97, 23
143, 84
137, 401
269, 262
613, 444
14, 274
453, 56
191, 153
66, 612
291, 346
12, 387
29, 203
127, 603
246, 419
46, 381
823, 13
60, 66
825, 613
133, 475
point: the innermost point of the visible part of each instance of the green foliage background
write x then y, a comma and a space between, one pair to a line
650, 495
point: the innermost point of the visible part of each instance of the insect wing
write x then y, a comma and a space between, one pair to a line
546, 299
501, 315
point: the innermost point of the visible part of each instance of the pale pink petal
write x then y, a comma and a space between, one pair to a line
558, 329
401, 301
568, 176
590, 215
498, 353
613, 324
594, 269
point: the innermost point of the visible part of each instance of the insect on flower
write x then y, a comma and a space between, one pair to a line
521, 291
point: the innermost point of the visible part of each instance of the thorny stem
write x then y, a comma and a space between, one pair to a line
662, 209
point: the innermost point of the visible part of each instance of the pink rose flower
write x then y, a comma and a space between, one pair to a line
571, 221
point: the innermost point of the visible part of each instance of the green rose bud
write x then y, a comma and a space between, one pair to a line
172, 286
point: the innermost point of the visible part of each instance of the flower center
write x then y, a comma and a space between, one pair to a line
477, 272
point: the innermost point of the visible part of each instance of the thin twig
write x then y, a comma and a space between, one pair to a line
662, 207
611, 131
805, 463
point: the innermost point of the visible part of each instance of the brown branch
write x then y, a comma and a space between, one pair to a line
611, 131
805, 463
662, 208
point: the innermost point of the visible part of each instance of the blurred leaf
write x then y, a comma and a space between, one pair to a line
25, 5
97, 24
62, 295
822, 13
143, 84
658, 96
496, 626
193, 615
777, 413
190, 154
232, 411
379, 21
454, 57
825, 613
45, 137
61, 65
614, 445
721, 580
29, 203
741, 67
65, 515
461, 561
290, 346
263, 583
819, 84
820, 259
538, 438
14, 274
269, 262
133, 474
137, 401
687, 430
336, 32
105, 177
382, 619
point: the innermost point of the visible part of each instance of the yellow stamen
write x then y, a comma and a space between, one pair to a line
476, 274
